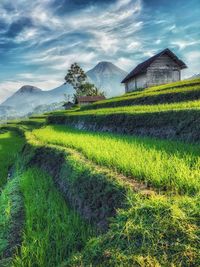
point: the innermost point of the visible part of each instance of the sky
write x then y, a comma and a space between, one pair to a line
40, 39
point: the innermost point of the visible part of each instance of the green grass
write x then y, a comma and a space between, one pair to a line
169, 112
175, 96
151, 228
10, 206
173, 85
170, 93
10, 145
152, 232
167, 165
52, 231
131, 110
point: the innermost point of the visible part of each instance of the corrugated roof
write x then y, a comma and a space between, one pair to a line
90, 98
142, 67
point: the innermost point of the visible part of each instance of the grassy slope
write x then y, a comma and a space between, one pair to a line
170, 93
151, 230
165, 111
93, 192
187, 105
52, 231
10, 145
164, 164
10, 217
158, 96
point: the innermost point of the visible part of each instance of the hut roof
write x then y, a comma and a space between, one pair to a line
142, 67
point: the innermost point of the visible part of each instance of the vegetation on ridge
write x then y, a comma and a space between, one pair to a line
165, 164
10, 145
170, 93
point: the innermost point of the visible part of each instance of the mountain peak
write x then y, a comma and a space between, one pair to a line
107, 67
105, 64
28, 89
107, 77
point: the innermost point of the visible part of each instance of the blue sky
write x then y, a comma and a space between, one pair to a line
40, 39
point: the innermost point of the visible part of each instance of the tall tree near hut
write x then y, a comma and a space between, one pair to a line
78, 79
75, 76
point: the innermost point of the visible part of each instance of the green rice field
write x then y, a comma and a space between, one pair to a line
170, 165
10, 145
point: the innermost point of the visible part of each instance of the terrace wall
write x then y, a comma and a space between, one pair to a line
176, 125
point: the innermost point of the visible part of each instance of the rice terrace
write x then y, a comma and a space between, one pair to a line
104, 170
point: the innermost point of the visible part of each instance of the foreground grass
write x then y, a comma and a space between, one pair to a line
52, 231
10, 206
153, 232
168, 165
10, 145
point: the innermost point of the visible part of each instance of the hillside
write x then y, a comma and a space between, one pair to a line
115, 183
104, 75
169, 111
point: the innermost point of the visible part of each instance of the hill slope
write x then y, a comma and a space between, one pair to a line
106, 199
168, 111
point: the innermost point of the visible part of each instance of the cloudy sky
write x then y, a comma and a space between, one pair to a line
40, 39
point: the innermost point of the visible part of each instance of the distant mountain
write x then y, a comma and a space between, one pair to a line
6, 111
60, 91
47, 108
24, 99
28, 97
107, 77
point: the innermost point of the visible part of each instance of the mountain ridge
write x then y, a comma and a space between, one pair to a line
105, 75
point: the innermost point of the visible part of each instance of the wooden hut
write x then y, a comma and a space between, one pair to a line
164, 67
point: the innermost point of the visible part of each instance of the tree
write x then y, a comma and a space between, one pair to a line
67, 97
89, 89
78, 79
75, 76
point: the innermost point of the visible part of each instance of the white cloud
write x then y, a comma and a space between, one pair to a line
7, 88
125, 63
172, 28
158, 41
134, 45
192, 60
182, 44
64, 62
122, 3
149, 53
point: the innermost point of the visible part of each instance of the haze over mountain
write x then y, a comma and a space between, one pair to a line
29, 97
105, 75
